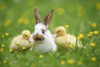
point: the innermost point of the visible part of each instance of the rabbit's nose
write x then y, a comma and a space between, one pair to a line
38, 37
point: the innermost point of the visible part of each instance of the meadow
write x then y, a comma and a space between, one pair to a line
80, 17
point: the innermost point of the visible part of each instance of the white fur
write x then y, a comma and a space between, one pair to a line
48, 43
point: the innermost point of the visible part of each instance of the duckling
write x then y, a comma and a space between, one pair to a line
64, 40
22, 41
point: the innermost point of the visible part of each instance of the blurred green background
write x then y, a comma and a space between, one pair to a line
17, 15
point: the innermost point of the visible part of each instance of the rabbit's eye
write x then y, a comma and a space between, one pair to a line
58, 31
43, 31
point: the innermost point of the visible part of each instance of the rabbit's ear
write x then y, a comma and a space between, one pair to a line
47, 18
37, 16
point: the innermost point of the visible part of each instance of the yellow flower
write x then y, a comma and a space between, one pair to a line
33, 65
26, 21
2, 36
7, 23
70, 61
20, 20
1, 49
96, 32
31, 2
2, 5
6, 34
62, 62
70, 8
80, 36
15, 43
90, 34
23, 48
41, 56
93, 58
94, 25
4, 61
98, 6
71, 45
2, 45
60, 11
79, 63
92, 44
11, 50
66, 26
81, 10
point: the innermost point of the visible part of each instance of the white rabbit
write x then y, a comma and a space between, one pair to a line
43, 41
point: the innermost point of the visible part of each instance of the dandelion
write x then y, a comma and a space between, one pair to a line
15, 43
96, 32
60, 11
33, 65
70, 61
94, 25
2, 45
1, 49
2, 36
26, 21
66, 26
2, 5
11, 50
7, 23
23, 48
80, 36
41, 56
62, 62
92, 44
90, 34
6, 34
93, 58
31, 2
71, 45
20, 20
70, 8
4, 61
79, 63
81, 10
98, 6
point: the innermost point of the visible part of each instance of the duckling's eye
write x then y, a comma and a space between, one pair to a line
58, 31
25, 35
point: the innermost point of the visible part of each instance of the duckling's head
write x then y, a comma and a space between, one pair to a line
60, 31
26, 34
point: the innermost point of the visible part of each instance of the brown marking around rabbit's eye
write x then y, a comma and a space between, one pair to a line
38, 37
43, 31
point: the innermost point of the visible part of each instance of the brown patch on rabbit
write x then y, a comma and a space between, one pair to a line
38, 37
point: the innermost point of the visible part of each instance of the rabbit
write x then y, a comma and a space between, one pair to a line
43, 41
21, 41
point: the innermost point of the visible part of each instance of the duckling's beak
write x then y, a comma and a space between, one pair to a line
29, 39
54, 35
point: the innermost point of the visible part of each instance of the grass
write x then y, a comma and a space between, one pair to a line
17, 15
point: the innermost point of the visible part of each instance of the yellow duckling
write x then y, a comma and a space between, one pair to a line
64, 40
22, 42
